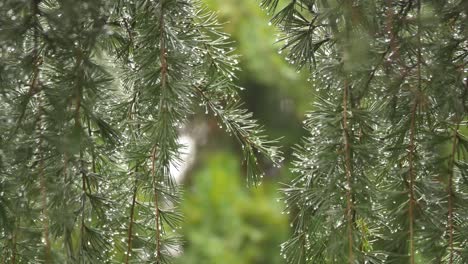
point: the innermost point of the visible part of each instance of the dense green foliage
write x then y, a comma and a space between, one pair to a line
374, 183
93, 96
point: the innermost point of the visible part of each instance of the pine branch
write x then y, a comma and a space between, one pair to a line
411, 175
83, 203
163, 111
162, 50
132, 113
14, 240
93, 155
349, 212
249, 134
34, 86
333, 158
67, 233
451, 164
131, 220
43, 184
156, 206
412, 148
78, 126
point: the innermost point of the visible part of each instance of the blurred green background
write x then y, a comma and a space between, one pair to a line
225, 221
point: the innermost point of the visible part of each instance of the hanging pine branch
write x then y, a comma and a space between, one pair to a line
331, 199
373, 184
90, 128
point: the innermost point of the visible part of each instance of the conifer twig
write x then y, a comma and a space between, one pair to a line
450, 191
411, 148
43, 186
156, 204
93, 155
135, 190
130, 226
14, 240
451, 169
347, 150
163, 61
34, 86
77, 120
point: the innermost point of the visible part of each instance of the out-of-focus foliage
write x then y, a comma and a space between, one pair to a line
270, 81
227, 223
248, 24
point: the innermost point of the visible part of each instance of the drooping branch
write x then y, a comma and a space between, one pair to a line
131, 115
412, 146
347, 151
247, 131
451, 170
162, 48
78, 126
14, 240
156, 205
93, 154
43, 184
131, 220
451, 165
35, 86
163, 111
411, 175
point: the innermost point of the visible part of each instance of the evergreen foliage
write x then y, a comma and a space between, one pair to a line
382, 177
92, 96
